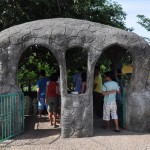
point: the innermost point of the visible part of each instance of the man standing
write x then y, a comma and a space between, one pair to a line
41, 91
97, 93
110, 88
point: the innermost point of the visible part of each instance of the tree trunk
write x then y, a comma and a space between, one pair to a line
59, 8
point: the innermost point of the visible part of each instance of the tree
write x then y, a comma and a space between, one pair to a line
144, 22
15, 12
33, 60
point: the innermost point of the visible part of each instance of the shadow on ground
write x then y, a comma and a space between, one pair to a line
99, 131
36, 128
33, 131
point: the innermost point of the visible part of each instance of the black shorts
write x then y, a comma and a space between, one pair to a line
53, 104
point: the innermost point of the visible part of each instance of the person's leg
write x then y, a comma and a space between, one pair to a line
55, 110
50, 111
116, 124
51, 118
46, 105
55, 117
101, 104
106, 115
96, 103
40, 113
106, 124
114, 115
40, 106
59, 105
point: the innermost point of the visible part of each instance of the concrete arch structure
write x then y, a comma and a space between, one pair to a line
60, 34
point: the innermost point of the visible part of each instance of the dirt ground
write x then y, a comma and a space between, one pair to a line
39, 135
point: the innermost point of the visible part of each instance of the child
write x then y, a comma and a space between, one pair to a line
52, 92
109, 91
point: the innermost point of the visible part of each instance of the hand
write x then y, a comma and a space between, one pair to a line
113, 91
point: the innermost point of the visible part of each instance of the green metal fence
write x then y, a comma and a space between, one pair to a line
11, 115
122, 110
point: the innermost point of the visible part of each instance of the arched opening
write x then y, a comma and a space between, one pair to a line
34, 59
76, 63
118, 61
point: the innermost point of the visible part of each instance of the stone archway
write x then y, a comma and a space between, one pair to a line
58, 35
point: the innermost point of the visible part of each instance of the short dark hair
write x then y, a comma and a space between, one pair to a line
54, 77
108, 74
43, 73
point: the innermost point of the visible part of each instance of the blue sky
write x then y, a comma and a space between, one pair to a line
133, 8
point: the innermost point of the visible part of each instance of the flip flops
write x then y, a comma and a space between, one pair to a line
104, 127
56, 126
116, 130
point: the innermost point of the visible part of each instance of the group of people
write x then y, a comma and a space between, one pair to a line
48, 95
104, 95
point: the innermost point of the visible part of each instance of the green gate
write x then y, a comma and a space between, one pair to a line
11, 115
121, 110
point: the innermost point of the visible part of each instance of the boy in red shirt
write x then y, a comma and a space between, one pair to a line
52, 92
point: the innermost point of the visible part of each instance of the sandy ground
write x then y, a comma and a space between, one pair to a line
39, 135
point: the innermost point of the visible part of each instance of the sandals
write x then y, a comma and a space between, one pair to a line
56, 126
116, 130
51, 124
104, 127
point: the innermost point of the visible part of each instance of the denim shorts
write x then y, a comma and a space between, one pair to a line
41, 104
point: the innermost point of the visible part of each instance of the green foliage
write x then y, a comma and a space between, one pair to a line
126, 59
33, 60
104, 63
14, 12
144, 22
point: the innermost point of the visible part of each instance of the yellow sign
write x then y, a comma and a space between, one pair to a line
127, 69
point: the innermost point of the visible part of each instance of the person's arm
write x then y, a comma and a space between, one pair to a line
74, 82
83, 88
118, 89
38, 90
38, 93
109, 92
46, 94
118, 92
105, 91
